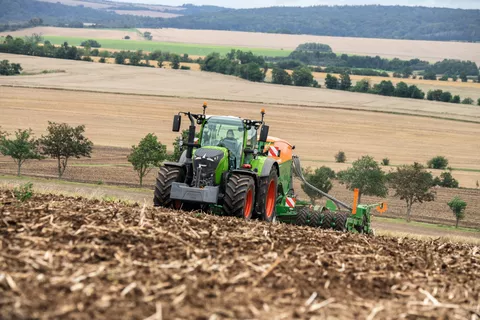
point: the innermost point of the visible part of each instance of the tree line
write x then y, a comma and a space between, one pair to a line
411, 183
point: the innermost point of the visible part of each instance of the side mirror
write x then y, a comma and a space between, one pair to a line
264, 133
177, 121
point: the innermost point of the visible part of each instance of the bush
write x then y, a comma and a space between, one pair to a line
102, 60
446, 180
386, 161
340, 157
185, 68
439, 162
331, 82
455, 99
445, 96
9, 69
478, 101
467, 101
23, 192
127, 38
302, 77
87, 59
280, 76
91, 43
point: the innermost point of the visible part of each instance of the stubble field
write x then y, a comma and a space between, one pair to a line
109, 260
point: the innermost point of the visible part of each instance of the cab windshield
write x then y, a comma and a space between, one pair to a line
224, 132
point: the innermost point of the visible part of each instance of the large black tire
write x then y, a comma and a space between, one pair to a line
239, 198
163, 187
315, 219
340, 221
267, 197
302, 217
327, 219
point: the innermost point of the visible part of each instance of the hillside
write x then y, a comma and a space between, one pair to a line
391, 22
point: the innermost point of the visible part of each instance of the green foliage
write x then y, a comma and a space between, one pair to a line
353, 71
478, 102
64, 142
415, 92
458, 206
438, 162
148, 154
21, 148
340, 157
280, 76
127, 38
384, 88
91, 43
345, 82
9, 69
102, 60
402, 90
243, 64
463, 76
302, 77
434, 95
467, 101
176, 62
455, 99
314, 47
446, 96
366, 175
321, 179
185, 68
446, 180
386, 161
23, 192
362, 86
429, 75
444, 77
148, 35
412, 183
331, 82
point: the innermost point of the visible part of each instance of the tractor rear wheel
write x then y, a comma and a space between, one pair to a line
327, 220
315, 219
267, 197
340, 221
302, 217
163, 187
239, 198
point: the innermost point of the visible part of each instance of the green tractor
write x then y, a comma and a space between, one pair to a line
236, 169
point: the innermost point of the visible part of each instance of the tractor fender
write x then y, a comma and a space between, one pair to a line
267, 167
253, 174
174, 164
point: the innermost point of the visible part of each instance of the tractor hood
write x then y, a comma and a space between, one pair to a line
208, 165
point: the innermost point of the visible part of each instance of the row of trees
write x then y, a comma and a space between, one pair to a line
61, 142
445, 96
245, 65
411, 183
9, 69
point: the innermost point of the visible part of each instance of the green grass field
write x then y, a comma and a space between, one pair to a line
178, 48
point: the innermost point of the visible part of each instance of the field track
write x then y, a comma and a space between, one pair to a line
72, 258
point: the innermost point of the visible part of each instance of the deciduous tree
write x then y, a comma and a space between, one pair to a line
21, 148
148, 154
321, 179
413, 184
458, 206
366, 175
64, 142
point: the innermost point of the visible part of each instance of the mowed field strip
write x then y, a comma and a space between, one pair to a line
386, 48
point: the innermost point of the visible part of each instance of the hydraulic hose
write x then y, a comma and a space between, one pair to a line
297, 171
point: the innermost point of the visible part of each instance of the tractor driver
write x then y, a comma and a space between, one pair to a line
231, 143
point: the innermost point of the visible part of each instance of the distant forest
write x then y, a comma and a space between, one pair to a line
373, 21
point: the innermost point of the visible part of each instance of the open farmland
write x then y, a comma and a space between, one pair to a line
215, 40
72, 258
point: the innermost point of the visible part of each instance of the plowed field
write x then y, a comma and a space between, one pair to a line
72, 258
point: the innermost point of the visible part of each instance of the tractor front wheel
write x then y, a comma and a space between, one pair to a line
239, 198
163, 187
267, 198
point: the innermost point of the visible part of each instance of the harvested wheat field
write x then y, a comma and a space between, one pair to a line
72, 258
204, 85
